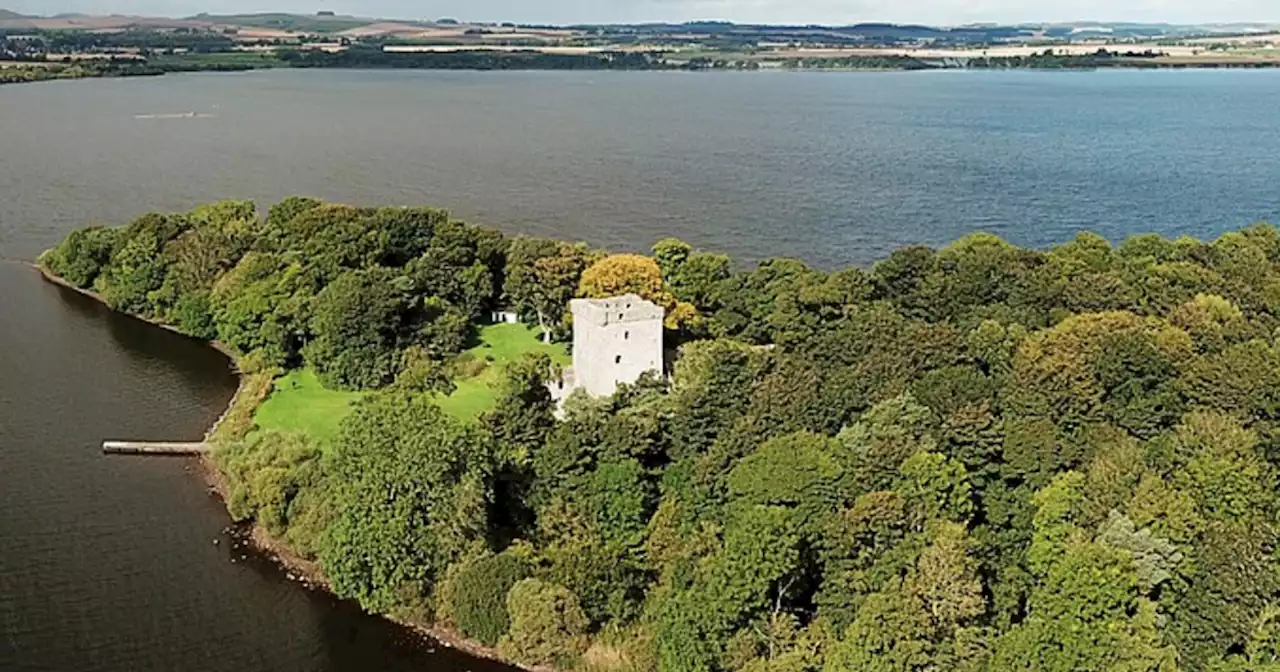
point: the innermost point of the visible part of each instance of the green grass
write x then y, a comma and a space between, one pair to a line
300, 403
499, 345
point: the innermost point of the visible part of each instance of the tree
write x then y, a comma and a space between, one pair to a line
411, 492
890, 634
935, 488
797, 471
285, 211
670, 254
876, 446
409, 232
266, 472
136, 268
1089, 609
357, 323
946, 579
475, 596
261, 305
620, 274
541, 277
547, 624
82, 255
693, 277
524, 414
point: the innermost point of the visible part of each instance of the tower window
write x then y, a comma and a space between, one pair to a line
617, 360
626, 335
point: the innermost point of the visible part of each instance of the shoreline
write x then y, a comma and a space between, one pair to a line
217, 345
766, 66
305, 572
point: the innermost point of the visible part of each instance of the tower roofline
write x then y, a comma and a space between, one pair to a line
615, 309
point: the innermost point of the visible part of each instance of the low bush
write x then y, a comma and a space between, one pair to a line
475, 598
548, 626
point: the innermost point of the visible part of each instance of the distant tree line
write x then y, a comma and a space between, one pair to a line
151, 52
368, 57
70, 41
974, 458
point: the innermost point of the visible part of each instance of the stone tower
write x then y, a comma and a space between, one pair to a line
615, 340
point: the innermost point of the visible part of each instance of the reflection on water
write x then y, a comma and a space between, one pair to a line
109, 563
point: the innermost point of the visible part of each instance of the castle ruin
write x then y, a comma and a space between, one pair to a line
615, 340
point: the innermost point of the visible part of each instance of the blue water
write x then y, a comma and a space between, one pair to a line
833, 168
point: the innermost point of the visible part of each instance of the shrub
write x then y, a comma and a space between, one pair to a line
548, 626
266, 472
238, 420
467, 366
193, 317
631, 649
475, 599
80, 257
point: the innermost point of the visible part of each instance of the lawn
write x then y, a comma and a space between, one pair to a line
499, 345
300, 403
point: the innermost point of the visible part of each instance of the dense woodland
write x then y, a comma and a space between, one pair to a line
980, 457
372, 56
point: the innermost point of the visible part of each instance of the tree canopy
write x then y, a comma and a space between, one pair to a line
974, 458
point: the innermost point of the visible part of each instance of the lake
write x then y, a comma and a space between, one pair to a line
111, 563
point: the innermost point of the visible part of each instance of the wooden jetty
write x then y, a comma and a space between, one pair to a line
154, 448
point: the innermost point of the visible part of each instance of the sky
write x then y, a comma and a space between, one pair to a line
932, 12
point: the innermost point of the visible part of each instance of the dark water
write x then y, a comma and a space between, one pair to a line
109, 564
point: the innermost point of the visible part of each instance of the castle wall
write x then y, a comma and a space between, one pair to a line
615, 340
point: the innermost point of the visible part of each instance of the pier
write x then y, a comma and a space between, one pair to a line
154, 448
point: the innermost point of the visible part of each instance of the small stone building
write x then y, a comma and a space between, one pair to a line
615, 340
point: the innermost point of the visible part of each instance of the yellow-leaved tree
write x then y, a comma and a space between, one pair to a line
636, 274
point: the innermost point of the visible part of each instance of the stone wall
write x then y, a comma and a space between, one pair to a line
615, 340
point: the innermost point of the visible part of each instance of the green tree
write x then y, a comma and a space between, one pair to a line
547, 625
137, 268
541, 278
356, 322
82, 255
266, 472
475, 596
412, 493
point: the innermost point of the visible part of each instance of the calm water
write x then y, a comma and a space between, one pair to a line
109, 564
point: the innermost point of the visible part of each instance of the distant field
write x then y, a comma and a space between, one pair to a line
290, 22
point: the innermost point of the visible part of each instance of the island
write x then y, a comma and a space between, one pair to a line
979, 457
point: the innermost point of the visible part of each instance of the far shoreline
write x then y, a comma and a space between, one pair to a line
1131, 66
